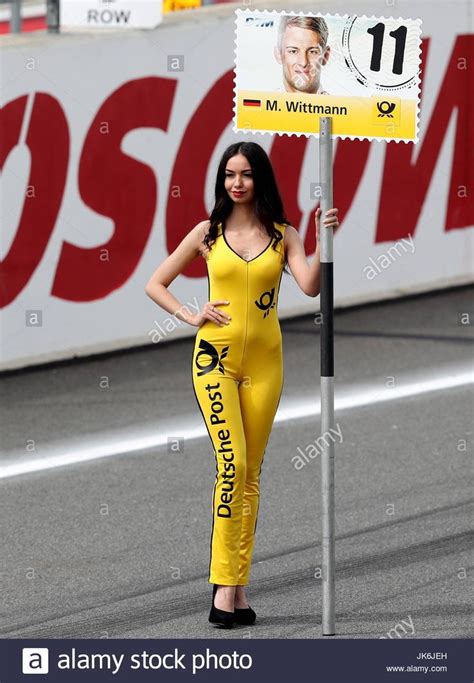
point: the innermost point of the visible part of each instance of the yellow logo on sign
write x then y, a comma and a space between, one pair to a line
386, 111
176, 5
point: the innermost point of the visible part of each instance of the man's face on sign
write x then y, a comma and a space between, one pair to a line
301, 57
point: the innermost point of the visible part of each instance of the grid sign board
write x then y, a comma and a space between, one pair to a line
291, 68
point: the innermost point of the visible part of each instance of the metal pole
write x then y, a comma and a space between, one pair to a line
15, 16
52, 16
327, 377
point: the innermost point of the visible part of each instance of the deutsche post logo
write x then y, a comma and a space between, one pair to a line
266, 301
386, 112
211, 356
386, 108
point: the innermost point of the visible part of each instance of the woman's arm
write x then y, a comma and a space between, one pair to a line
170, 268
307, 274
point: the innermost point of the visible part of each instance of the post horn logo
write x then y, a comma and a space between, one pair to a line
266, 302
212, 356
386, 108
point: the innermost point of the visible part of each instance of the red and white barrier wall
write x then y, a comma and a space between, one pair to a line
109, 158
33, 17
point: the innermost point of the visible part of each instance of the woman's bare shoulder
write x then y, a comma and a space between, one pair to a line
201, 228
292, 234
203, 225
288, 232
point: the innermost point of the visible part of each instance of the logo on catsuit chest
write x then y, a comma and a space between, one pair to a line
266, 301
211, 357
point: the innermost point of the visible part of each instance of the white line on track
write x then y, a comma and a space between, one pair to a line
120, 443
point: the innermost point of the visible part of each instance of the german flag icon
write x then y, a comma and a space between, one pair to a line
252, 103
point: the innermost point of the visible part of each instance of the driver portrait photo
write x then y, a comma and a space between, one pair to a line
302, 51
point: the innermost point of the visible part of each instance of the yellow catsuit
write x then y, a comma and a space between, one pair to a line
237, 372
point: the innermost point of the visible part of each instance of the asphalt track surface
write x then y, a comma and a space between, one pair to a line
403, 491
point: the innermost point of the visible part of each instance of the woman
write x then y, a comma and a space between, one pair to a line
237, 368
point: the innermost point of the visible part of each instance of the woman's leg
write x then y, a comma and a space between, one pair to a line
218, 400
260, 393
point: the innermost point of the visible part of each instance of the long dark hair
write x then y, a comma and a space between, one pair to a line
268, 204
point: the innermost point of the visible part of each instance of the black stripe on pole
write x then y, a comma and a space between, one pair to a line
327, 323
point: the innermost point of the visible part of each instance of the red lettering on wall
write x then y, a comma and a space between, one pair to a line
113, 184
48, 142
350, 160
124, 190
405, 182
186, 205
287, 157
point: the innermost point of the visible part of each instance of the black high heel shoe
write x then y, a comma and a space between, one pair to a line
244, 615
220, 617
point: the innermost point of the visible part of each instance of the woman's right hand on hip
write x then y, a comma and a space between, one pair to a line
210, 312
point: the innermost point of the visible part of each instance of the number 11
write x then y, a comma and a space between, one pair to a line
400, 35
